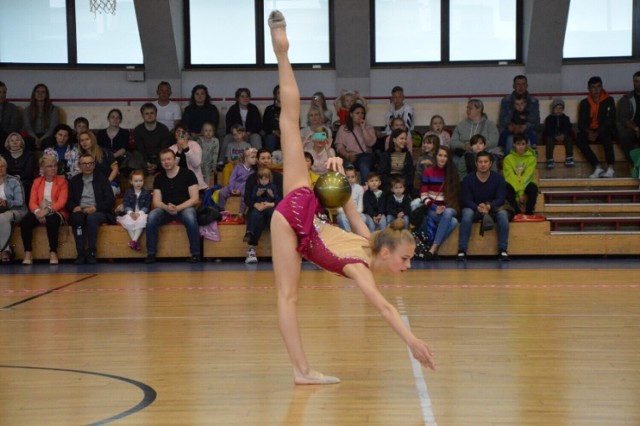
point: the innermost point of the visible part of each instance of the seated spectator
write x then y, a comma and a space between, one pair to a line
354, 141
210, 146
395, 123
400, 109
169, 112
398, 202
315, 119
476, 123
437, 127
234, 151
467, 164
151, 137
134, 209
246, 114
484, 193
519, 171
238, 180
597, 123
199, 111
189, 154
263, 199
313, 176
397, 161
440, 195
80, 125
47, 206
271, 122
527, 122
357, 193
319, 100
9, 114
20, 162
557, 129
90, 204
12, 208
40, 117
114, 138
175, 195
628, 118
343, 104
64, 152
317, 144
374, 202
429, 149
105, 162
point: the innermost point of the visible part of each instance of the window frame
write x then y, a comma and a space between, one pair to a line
260, 42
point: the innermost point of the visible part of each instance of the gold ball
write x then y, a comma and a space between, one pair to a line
332, 190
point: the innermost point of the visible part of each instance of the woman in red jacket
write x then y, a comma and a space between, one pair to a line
49, 195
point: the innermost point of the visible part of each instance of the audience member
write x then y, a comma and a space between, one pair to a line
398, 202
151, 137
12, 208
440, 195
169, 112
114, 138
484, 193
238, 180
399, 109
437, 127
47, 206
320, 100
175, 195
476, 123
558, 130
467, 164
395, 123
20, 162
234, 151
210, 146
40, 117
429, 149
318, 145
9, 115
397, 161
519, 171
199, 111
263, 200
90, 203
355, 139
189, 154
246, 114
374, 202
80, 125
357, 194
343, 104
526, 120
134, 209
64, 152
105, 162
628, 118
597, 123
315, 119
271, 122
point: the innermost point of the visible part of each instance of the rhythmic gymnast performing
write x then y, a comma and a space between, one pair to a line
299, 232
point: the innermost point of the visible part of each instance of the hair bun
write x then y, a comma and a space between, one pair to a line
397, 225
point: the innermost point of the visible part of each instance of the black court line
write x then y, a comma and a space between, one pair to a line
28, 299
149, 393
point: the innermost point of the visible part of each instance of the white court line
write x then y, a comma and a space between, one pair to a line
421, 384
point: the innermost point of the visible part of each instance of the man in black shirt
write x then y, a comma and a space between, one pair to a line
175, 195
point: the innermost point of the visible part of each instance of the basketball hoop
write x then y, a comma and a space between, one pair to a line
103, 6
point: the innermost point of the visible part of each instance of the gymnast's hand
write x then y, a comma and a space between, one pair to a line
335, 164
422, 353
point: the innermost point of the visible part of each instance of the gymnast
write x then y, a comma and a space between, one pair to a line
300, 233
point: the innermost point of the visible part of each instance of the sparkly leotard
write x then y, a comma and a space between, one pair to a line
326, 245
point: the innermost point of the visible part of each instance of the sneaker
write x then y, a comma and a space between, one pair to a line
569, 162
609, 173
195, 259
598, 172
91, 259
550, 164
504, 256
251, 257
462, 256
151, 258
79, 260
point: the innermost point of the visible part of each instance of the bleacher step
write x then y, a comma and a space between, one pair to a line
591, 208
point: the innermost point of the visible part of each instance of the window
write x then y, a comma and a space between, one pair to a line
599, 28
445, 31
246, 41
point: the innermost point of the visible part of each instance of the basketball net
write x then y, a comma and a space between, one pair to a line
103, 6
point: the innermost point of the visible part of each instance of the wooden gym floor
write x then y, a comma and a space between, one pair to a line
529, 342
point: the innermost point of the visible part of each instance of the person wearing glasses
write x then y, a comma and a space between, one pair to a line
90, 203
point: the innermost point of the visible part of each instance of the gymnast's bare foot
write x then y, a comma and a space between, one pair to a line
278, 32
314, 378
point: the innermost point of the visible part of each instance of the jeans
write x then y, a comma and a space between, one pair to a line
363, 164
446, 221
469, 216
604, 137
257, 221
343, 222
507, 136
158, 217
87, 224
551, 144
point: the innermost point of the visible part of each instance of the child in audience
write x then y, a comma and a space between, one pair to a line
313, 176
234, 151
245, 167
436, 127
519, 170
264, 198
429, 148
396, 123
518, 124
318, 99
467, 163
557, 129
357, 193
397, 161
373, 202
400, 109
210, 151
344, 102
398, 203
135, 206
